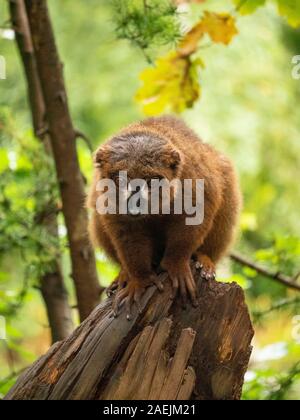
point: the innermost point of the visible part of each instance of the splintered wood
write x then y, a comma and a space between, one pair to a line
147, 372
164, 352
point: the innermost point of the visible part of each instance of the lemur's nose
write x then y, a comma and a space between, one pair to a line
136, 201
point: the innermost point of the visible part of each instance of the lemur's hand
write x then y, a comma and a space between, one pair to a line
207, 267
132, 292
182, 280
117, 284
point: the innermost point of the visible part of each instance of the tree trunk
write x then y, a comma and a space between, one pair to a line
164, 352
51, 283
62, 136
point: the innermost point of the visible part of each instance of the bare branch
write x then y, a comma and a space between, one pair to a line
81, 135
279, 277
282, 304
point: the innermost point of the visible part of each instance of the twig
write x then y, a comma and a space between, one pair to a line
285, 383
285, 303
5, 25
79, 134
279, 277
12, 375
296, 277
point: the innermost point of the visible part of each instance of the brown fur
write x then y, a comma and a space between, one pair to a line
165, 146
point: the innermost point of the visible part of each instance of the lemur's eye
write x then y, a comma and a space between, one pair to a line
154, 178
120, 181
157, 178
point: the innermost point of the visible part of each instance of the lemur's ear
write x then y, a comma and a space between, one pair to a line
171, 158
175, 159
100, 156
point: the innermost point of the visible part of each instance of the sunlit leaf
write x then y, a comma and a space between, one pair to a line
290, 9
249, 272
221, 27
237, 278
4, 161
172, 85
246, 7
248, 221
189, 43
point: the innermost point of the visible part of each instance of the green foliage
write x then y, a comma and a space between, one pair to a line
147, 24
28, 195
6, 383
172, 72
291, 10
267, 385
246, 7
171, 86
292, 304
248, 109
284, 254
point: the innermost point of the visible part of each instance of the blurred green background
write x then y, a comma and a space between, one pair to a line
249, 109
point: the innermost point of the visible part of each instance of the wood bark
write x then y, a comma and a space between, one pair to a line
62, 136
165, 352
51, 283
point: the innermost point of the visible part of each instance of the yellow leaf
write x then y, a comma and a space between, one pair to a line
220, 27
172, 85
189, 43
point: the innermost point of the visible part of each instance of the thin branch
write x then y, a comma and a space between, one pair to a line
81, 135
285, 303
285, 383
279, 277
5, 25
296, 277
12, 375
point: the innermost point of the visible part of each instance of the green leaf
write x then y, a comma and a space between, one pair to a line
249, 272
237, 278
172, 85
4, 161
290, 9
248, 221
246, 7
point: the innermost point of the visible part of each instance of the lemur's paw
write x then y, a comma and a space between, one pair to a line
206, 267
117, 284
183, 281
132, 293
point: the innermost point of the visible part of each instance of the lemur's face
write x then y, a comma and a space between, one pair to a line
140, 166
141, 155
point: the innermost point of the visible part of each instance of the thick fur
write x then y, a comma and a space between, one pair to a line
166, 147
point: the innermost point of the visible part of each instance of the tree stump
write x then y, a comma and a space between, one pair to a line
165, 352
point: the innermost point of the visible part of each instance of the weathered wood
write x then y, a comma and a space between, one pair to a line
164, 352
141, 375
